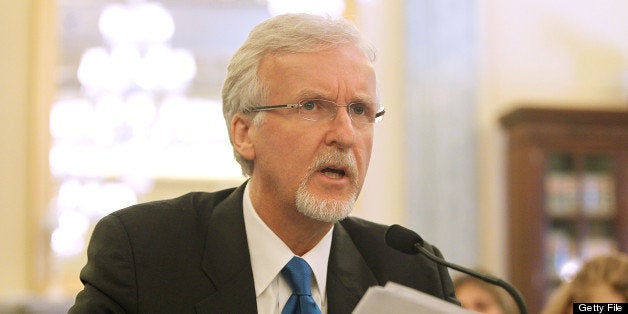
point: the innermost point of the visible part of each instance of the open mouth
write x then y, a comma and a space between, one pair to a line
333, 173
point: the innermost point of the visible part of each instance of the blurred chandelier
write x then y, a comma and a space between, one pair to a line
139, 56
132, 109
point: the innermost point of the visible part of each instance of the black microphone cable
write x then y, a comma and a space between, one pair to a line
409, 242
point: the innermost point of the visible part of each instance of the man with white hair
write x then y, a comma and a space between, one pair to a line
300, 103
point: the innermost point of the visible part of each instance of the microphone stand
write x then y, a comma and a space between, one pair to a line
490, 279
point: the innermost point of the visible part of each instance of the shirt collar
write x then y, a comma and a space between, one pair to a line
269, 254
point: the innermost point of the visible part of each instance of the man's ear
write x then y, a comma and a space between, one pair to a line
242, 135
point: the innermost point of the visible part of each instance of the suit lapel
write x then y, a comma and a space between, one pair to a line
226, 260
348, 275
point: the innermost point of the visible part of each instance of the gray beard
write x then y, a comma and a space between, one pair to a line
327, 210
330, 211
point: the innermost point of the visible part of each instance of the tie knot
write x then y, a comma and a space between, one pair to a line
298, 273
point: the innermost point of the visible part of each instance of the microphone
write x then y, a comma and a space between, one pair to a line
409, 242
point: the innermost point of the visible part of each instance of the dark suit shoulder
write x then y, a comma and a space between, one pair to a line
367, 234
148, 257
364, 230
177, 223
369, 238
388, 264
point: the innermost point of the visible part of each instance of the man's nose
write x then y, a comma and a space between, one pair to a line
342, 130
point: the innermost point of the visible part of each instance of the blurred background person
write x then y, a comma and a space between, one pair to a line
477, 295
602, 279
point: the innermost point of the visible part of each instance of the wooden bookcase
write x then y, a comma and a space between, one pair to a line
567, 174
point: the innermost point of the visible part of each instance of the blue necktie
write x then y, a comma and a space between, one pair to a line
297, 273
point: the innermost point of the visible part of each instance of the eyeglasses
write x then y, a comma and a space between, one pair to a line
320, 110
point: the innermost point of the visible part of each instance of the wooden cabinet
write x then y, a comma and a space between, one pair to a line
567, 174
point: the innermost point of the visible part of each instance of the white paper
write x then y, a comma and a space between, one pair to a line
399, 299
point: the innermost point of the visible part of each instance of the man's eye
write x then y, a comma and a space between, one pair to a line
309, 105
358, 109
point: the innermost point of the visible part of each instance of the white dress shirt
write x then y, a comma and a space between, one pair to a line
269, 255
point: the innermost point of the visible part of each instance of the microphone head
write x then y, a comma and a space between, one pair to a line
403, 239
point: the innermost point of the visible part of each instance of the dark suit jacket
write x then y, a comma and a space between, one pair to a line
190, 254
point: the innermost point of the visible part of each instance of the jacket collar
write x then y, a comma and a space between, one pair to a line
348, 275
226, 260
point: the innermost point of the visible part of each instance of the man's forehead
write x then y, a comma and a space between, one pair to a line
318, 51
343, 58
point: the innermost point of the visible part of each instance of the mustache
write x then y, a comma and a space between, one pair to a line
336, 159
